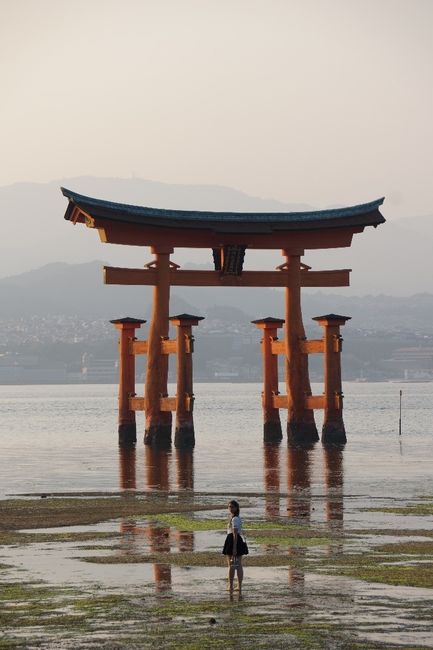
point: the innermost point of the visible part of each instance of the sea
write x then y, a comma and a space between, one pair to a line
63, 438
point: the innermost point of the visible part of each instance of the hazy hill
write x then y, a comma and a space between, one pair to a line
68, 289
395, 259
34, 232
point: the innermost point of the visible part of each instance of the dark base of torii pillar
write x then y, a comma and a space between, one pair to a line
184, 437
272, 432
303, 433
127, 434
158, 435
334, 433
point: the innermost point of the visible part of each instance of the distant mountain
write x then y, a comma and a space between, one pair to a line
34, 231
74, 289
77, 289
395, 259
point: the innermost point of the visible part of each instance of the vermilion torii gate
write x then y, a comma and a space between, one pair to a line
229, 235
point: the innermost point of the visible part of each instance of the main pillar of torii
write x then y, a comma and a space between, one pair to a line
158, 421
229, 235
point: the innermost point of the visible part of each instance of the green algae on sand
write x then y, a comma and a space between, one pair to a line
424, 548
16, 514
16, 538
416, 509
198, 558
389, 564
186, 522
417, 575
300, 542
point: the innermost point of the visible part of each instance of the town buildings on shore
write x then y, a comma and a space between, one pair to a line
67, 349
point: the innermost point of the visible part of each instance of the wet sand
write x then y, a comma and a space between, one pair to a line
148, 572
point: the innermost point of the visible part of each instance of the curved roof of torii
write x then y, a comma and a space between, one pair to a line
366, 214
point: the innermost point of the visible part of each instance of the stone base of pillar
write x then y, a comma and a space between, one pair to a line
301, 432
158, 435
334, 433
184, 436
272, 432
127, 434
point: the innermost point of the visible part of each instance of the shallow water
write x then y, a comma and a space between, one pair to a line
64, 438
370, 611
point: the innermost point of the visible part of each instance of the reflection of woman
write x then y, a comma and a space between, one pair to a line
235, 546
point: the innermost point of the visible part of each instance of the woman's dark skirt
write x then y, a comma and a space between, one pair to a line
241, 546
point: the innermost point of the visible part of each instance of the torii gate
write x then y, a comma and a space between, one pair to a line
229, 235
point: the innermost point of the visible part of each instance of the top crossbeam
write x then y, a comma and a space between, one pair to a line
145, 226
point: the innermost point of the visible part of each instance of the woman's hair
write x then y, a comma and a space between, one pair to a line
235, 505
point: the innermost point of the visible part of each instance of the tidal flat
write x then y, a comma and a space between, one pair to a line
146, 570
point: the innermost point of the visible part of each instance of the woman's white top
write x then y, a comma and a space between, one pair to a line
235, 522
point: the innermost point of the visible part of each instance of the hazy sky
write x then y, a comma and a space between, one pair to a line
314, 101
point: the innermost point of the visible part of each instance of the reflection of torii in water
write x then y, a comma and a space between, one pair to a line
229, 235
299, 499
159, 537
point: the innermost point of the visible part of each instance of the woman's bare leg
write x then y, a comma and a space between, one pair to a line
231, 573
240, 573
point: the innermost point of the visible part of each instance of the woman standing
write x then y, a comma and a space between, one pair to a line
235, 546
